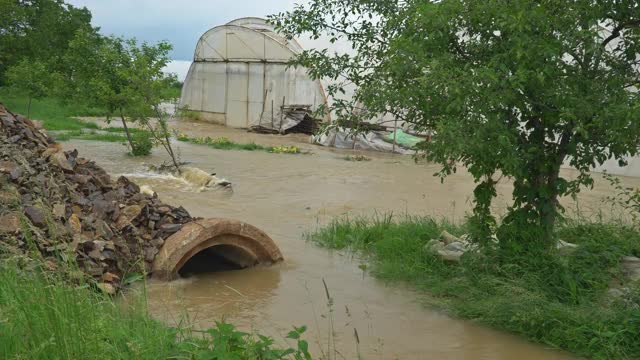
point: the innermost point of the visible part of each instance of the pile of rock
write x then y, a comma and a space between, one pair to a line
66, 209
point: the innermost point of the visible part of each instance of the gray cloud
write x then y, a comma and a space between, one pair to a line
181, 22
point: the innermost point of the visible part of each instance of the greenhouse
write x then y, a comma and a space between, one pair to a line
240, 78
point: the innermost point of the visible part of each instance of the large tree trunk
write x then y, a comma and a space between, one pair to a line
549, 213
547, 202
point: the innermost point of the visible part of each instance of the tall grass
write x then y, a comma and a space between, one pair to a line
42, 317
556, 300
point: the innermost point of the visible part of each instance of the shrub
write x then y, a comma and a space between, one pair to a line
142, 144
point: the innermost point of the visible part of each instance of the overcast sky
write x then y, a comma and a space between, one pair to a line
181, 22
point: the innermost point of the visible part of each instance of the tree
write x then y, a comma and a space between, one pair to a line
125, 78
148, 86
510, 88
32, 78
38, 30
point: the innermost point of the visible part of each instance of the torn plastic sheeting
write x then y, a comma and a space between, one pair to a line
403, 139
292, 116
343, 139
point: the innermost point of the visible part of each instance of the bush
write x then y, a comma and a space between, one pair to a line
142, 144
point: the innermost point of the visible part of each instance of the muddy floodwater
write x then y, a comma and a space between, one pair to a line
288, 195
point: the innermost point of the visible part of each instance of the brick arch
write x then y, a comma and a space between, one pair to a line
244, 245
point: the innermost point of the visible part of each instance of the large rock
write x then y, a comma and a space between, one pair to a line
75, 225
631, 268
7, 167
127, 215
9, 223
36, 216
60, 160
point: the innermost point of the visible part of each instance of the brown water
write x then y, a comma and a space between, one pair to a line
287, 195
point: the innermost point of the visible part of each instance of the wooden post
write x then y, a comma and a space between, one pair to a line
395, 133
281, 115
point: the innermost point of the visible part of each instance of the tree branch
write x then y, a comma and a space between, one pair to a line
618, 30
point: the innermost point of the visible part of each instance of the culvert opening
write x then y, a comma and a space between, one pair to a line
214, 245
215, 259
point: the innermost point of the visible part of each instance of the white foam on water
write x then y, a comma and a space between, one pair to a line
154, 175
184, 185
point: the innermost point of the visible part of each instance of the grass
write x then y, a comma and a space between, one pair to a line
41, 320
41, 317
223, 143
57, 116
90, 135
110, 134
54, 114
555, 300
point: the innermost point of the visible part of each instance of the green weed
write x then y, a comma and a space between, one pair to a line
552, 299
223, 143
284, 150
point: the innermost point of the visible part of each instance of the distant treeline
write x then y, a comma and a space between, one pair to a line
39, 30
50, 48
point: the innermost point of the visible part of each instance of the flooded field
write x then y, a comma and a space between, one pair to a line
288, 195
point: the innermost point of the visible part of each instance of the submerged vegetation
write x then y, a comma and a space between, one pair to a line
559, 300
223, 143
357, 158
